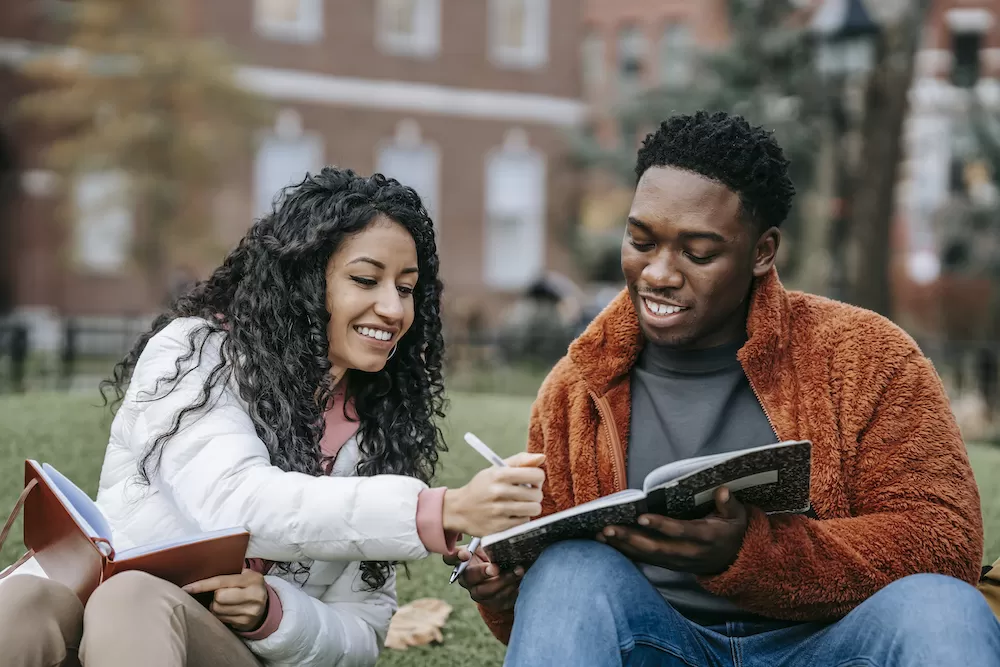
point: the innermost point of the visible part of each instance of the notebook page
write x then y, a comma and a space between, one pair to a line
84, 510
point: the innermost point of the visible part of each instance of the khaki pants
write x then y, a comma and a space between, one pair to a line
131, 619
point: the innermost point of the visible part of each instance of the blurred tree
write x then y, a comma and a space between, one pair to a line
873, 194
765, 73
133, 93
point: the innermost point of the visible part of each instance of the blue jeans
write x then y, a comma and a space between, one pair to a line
583, 603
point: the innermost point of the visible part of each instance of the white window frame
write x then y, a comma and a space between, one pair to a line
423, 42
534, 53
308, 27
103, 222
593, 65
641, 45
265, 194
408, 139
532, 247
668, 46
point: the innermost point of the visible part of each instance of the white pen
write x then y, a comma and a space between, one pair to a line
492, 457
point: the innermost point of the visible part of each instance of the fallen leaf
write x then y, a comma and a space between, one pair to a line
418, 624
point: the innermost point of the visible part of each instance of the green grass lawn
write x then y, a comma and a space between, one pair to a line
70, 432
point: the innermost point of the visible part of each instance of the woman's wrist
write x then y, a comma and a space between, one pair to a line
452, 515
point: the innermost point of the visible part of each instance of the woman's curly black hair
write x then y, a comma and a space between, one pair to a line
267, 305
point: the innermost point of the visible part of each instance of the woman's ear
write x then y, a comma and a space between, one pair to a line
766, 251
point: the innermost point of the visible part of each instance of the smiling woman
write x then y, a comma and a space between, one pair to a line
369, 292
295, 393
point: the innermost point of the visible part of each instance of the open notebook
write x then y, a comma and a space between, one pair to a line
73, 542
773, 477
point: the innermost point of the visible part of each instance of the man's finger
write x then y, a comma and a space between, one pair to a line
726, 504
634, 539
460, 554
667, 527
476, 573
495, 587
637, 545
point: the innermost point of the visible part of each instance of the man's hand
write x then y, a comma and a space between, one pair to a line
702, 546
240, 600
487, 585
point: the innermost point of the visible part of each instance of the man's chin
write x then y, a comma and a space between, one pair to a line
673, 337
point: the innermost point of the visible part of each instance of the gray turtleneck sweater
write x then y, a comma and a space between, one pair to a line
684, 404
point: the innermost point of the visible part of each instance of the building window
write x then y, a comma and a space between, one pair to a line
519, 32
676, 55
282, 161
409, 27
631, 57
414, 163
965, 53
289, 20
103, 222
592, 57
514, 239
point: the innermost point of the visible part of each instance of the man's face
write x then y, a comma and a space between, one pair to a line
689, 259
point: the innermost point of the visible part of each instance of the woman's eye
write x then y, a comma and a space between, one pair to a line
367, 282
405, 290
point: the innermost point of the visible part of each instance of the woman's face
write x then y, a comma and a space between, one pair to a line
369, 294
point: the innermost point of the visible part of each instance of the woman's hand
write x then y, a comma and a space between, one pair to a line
497, 498
240, 600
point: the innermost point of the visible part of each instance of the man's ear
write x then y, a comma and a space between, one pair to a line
766, 251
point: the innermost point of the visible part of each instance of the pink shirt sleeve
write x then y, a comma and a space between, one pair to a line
430, 522
271, 619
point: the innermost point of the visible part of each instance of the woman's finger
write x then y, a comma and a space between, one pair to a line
522, 510
246, 609
231, 596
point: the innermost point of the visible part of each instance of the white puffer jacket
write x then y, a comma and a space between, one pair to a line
216, 473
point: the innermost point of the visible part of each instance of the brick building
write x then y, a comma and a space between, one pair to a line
465, 100
958, 65
630, 45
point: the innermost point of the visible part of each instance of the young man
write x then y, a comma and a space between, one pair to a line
706, 352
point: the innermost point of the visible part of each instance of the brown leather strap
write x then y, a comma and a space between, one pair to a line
10, 524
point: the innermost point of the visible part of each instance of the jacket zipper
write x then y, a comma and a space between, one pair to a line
761, 404
617, 451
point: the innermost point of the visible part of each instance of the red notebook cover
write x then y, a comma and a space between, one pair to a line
81, 561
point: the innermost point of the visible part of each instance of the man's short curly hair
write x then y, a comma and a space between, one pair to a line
726, 149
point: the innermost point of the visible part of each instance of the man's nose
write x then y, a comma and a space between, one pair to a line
662, 272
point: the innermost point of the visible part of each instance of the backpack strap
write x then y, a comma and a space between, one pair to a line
18, 506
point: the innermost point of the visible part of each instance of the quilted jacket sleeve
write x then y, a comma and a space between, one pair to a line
218, 473
345, 627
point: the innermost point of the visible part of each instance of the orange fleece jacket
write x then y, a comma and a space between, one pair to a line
892, 488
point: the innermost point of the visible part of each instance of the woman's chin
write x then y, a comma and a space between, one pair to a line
370, 364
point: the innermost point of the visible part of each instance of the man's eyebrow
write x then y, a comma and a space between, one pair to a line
635, 222
707, 236
685, 236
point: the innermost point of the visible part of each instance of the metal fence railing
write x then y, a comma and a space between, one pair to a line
86, 348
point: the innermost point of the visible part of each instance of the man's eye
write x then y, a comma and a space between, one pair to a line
641, 247
367, 282
698, 259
